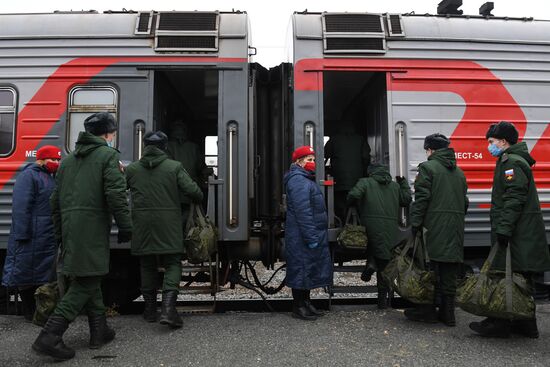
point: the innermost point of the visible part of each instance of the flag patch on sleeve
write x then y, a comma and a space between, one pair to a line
509, 174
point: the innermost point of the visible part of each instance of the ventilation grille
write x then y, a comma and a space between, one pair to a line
362, 23
353, 33
186, 43
188, 21
143, 23
395, 26
354, 44
187, 31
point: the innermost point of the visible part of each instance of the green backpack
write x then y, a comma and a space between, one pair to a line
201, 236
47, 296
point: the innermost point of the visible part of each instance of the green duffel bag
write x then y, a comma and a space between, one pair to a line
201, 236
353, 236
408, 274
47, 296
498, 294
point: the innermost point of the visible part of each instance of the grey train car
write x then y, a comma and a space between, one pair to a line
399, 77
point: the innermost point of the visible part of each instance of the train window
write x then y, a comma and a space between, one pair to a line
7, 120
211, 153
87, 100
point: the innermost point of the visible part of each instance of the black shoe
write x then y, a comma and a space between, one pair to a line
526, 328
150, 311
447, 310
422, 313
100, 332
366, 275
50, 341
382, 299
303, 313
492, 328
168, 313
312, 310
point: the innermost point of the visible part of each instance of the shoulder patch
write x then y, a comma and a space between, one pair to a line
509, 174
504, 157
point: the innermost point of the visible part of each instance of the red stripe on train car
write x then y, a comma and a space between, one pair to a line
50, 101
485, 97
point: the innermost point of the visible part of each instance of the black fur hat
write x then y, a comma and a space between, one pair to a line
157, 138
503, 130
436, 141
100, 123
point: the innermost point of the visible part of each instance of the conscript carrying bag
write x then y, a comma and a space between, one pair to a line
498, 294
409, 274
201, 236
353, 236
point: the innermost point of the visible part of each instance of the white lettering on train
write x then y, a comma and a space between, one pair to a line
30, 153
468, 155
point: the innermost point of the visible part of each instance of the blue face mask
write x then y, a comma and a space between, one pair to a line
494, 150
111, 143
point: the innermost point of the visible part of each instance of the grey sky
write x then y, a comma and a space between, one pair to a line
270, 19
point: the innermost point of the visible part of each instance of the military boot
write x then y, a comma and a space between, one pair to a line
310, 306
382, 298
526, 328
422, 313
100, 332
370, 269
50, 341
447, 310
299, 308
168, 313
493, 328
150, 311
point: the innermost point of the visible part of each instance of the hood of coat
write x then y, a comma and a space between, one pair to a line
446, 157
521, 150
87, 143
152, 157
296, 170
380, 173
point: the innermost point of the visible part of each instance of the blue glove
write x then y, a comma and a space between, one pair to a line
313, 245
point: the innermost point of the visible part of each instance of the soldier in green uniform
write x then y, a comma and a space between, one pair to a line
378, 199
440, 204
91, 189
516, 221
157, 185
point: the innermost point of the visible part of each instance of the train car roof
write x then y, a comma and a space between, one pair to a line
92, 24
438, 27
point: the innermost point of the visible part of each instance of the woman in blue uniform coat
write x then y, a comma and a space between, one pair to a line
31, 245
307, 252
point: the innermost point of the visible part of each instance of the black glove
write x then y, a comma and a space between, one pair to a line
399, 179
503, 240
124, 236
415, 230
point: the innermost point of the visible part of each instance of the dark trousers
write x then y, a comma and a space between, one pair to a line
149, 265
446, 274
380, 266
84, 293
340, 206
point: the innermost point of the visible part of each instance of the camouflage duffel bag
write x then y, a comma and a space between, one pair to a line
408, 275
353, 236
498, 294
201, 238
47, 296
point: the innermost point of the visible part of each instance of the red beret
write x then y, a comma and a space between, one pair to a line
302, 152
48, 151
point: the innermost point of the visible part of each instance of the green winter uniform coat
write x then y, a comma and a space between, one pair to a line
188, 154
157, 185
378, 200
515, 211
91, 189
440, 204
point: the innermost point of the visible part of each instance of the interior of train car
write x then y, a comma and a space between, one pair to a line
360, 98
